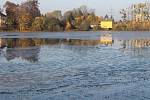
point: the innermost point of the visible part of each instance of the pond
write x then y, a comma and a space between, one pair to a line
75, 66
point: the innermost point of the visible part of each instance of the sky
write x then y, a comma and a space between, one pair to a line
102, 7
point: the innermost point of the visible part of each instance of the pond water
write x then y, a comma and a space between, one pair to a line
75, 66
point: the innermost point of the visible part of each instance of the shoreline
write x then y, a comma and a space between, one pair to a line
66, 31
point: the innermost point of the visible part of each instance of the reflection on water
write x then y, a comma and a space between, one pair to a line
105, 67
28, 49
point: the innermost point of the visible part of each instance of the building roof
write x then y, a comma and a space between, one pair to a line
1, 14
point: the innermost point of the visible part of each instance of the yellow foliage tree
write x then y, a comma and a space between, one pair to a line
68, 26
24, 20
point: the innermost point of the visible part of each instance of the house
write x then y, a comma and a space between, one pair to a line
139, 17
2, 20
107, 23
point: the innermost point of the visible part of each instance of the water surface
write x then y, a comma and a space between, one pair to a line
75, 66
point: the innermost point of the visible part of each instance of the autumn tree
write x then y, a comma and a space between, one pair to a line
53, 24
28, 11
39, 24
76, 12
76, 18
55, 14
68, 16
12, 14
21, 16
68, 26
32, 7
54, 21
84, 10
85, 26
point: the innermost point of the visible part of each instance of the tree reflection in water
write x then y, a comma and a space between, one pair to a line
29, 49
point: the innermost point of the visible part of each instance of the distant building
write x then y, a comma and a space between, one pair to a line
139, 12
107, 23
139, 17
2, 20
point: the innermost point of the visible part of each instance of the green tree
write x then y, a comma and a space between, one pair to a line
53, 24
85, 26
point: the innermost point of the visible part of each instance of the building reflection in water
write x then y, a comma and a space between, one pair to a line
106, 39
29, 49
136, 47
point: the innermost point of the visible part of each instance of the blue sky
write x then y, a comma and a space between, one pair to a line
101, 6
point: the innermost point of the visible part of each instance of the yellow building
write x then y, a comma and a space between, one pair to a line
106, 24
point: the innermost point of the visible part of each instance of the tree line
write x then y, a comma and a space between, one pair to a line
134, 18
27, 17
